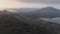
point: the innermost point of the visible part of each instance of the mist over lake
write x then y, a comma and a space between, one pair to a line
54, 20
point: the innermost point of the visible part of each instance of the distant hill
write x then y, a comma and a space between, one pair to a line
50, 12
46, 12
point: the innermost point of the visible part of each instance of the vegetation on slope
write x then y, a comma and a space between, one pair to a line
14, 23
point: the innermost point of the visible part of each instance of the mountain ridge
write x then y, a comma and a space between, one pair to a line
46, 12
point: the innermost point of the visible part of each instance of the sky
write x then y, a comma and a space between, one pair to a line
29, 3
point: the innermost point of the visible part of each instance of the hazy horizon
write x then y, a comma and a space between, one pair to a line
29, 3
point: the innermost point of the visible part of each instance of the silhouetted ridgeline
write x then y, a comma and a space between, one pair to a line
14, 23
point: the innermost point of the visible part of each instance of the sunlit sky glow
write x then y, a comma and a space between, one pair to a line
25, 4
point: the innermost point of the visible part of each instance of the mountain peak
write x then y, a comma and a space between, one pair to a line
49, 8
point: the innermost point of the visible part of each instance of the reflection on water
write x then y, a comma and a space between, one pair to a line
54, 20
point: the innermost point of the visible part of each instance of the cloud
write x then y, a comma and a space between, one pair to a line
29, 3
43, 1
